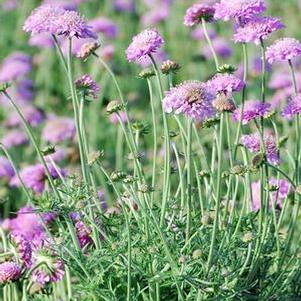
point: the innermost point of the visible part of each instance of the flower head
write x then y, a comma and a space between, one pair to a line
24, 250
252, 143
257, 29
221, 46
190, 98
197, 12
59, 129
143, 44
9, 271
252, 109
225, 83
6, 169
283, 50
293, 107
238, 9
14, 138
105, 26
87, 85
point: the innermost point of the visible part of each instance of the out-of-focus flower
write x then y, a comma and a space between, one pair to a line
42, 40
114, 117
280, 80
293, 107
252, 109
107, 52
64, 4
190, 98
9, 5
15, 66
105, 26
225, 83
283, 50
156, 15
198, 33
34, 177
59, 129
124, 5
252, 143
238, 9
58, 155
6, 169
145, 61
145, 43
87, 86
31, 114
14, 138
86, 49
256, 67
276, 197
24, 250
197, 12
9, 271
257, 29
221, 47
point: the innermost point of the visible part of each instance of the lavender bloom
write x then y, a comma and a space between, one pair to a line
43, 20
59, 129
156, 15
9, 5
124, 5
104, 26
87, 86
197, 12
114, 118
24, 91
252, 143
34, 177
280, 81
144, 44
9, 271
283, 50
42, 40
64, 4
293, 107
198, 34
15, 66
190, 98
107, 52
83, 234
252, 109
257, 29
32, 115
159, 57
238, 9
257, 67
14, 138
6, 170
276, 197
24, 249
221, 47
225, 83
57, 156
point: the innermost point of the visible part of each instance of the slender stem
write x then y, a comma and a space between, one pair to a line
210, 43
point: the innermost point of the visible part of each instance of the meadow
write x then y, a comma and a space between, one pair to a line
150, 150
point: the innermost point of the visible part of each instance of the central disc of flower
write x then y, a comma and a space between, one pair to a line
194, 96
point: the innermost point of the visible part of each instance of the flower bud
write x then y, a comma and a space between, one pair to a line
170, 67
146, 73
87, 49
114, 106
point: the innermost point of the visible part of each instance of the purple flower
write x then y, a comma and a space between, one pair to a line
197, 12
156, 15
225, 83
15, 66
43, 20
221, 47
124, 5
57, 156
198, 33
87, 85
238, 9
293, 107
257, 67
104, 26
144, 44
159, 57
14, 138
276, 197
257, 29
283, 50
32, 115
252, 109
24, 250
9, 271
64, 4
252, 143
34, 177
6, 169
83, 234
280, 80
9, 5
42, 40
59, 129
190, 98
114, 118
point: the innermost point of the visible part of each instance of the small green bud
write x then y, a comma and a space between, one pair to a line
146, 73
114, 106
170, 67
226, 68
48, 150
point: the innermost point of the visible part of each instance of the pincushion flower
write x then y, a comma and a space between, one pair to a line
34, 177
257, 29
87, 86
9, 271
6, 169
191, 98
144, 44
225, 83
24, 250
105, 26
252, 143
14, 138
197, 12
252, 109
59, 129
124, 5
293, 107
237, 9
283, 50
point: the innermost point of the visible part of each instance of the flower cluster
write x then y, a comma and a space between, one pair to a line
197, 12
